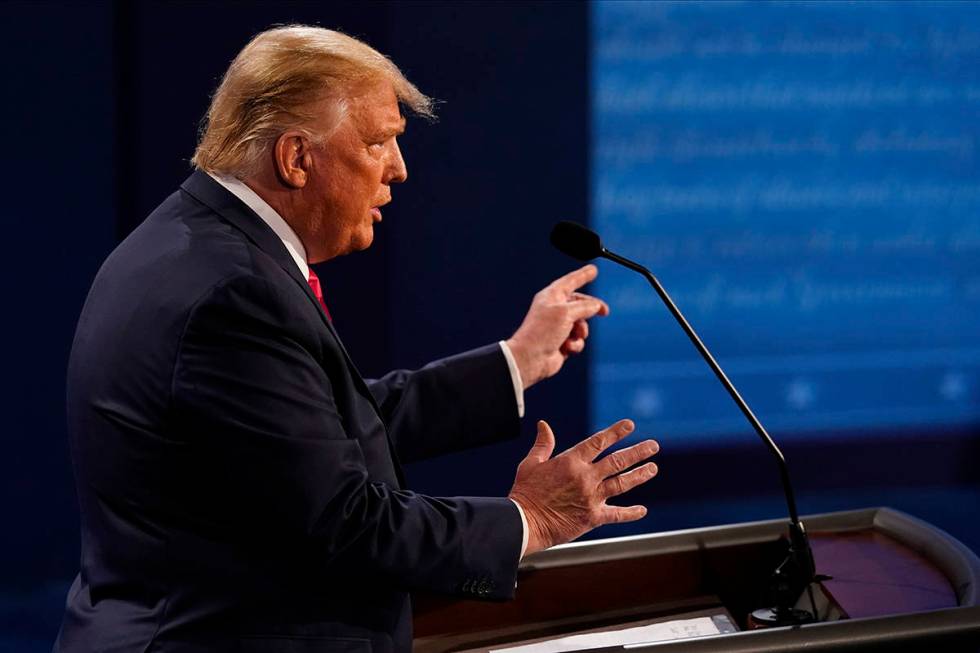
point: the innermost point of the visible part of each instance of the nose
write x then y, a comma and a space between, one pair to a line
396, 171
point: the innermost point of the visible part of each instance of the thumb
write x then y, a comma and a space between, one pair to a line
544, 444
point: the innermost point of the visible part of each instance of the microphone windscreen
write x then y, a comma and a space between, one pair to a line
575, 240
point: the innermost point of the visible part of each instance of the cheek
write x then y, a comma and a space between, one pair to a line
349, 189
330, 190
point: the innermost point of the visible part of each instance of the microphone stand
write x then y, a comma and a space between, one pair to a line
798, 570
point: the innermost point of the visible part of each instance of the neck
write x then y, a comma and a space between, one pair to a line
291, 203
280, 198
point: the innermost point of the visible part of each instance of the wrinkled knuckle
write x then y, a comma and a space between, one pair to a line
594, 444
616, 485
616, 460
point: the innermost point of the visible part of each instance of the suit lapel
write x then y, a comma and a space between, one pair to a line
234, 211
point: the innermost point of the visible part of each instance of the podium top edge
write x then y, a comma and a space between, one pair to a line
692, 538
960, 565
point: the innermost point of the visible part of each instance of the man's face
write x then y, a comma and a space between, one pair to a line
351, 175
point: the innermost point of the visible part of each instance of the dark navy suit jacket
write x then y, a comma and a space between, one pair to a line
238, 480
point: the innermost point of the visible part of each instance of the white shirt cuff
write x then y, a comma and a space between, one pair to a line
524, 525
515, 377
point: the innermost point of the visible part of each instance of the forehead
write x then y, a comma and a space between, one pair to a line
375, 109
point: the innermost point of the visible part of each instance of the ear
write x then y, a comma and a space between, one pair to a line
293, 158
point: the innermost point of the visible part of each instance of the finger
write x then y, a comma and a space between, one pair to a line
586, 308
580, 330
590, 448
617, 461
618, 514
544, 444
627, 481
573, 346
576, 279
580, 296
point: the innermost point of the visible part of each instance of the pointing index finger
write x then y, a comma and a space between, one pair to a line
576, 278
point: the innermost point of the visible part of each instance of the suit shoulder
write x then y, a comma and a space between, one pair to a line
180, 252
183, 254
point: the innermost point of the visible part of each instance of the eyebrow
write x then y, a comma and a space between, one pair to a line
394, 130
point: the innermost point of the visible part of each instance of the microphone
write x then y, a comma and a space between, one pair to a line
798, 571
577, 241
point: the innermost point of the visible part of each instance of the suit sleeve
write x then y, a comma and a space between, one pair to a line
262, 427
452, 404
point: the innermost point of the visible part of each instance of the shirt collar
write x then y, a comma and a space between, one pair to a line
270, 216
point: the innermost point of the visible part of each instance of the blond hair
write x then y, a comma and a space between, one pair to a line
277, 82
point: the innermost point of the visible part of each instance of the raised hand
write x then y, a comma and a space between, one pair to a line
565, 496
555, 326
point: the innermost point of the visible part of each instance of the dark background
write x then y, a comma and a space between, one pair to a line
102, 103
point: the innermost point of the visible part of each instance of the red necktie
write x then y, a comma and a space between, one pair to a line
314, 282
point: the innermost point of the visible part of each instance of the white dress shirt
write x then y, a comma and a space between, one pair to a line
298, 253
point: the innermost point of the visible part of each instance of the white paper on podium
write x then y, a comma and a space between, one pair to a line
679, 629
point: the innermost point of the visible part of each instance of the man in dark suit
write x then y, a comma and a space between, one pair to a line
239, 481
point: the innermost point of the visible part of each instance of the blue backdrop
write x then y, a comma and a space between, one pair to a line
804, 179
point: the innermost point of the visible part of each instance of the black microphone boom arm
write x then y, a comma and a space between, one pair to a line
713, 364
798, 571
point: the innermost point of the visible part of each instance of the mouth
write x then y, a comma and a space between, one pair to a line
376, 210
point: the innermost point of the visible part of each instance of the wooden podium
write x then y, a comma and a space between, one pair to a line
897, 583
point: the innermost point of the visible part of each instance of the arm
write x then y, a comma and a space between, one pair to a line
475, 398
267, 458
452, 404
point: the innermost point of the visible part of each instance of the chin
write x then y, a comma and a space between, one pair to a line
362, 240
